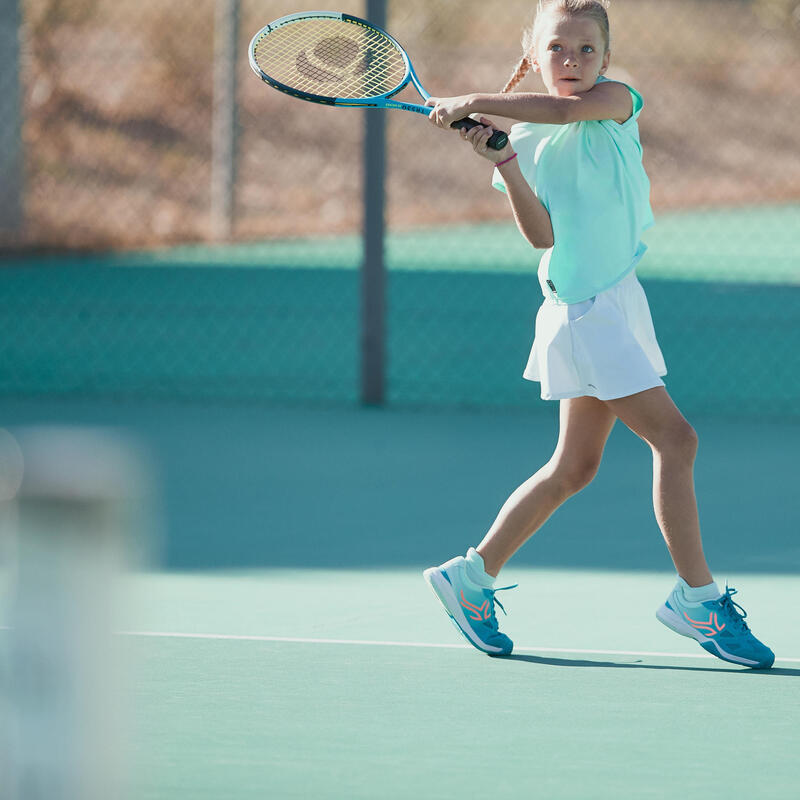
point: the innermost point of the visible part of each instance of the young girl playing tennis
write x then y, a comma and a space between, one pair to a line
574, 177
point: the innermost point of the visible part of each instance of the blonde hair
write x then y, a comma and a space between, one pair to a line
594, 9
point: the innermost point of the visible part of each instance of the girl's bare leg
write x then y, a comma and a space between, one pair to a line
584, 426
654, 417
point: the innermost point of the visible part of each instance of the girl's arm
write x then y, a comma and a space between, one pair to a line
609, 100
531, 216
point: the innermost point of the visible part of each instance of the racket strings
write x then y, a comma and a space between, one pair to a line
332, 58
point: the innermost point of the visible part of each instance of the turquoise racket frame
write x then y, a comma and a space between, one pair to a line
379, 101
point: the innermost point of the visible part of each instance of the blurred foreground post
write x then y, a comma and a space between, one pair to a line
223, 134
11, 213
373, 270
80, 492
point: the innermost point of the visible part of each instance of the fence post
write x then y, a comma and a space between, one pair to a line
223, 134
373, 271
11, 173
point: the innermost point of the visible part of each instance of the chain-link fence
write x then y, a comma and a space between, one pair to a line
116, 134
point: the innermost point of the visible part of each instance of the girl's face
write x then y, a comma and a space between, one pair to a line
570, 53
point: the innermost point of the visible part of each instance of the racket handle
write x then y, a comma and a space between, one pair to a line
497, 141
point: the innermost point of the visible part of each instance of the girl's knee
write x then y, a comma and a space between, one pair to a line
680, 441
575, 474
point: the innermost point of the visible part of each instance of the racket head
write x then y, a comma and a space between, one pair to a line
330, 58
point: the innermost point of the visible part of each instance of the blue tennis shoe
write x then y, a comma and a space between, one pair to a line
718, 625
470, 606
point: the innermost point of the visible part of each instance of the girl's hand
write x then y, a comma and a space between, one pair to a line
478, 138
446, 110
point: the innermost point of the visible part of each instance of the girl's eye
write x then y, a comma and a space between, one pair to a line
587, 48
555, 47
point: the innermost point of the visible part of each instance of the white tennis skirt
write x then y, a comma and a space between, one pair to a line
604, 347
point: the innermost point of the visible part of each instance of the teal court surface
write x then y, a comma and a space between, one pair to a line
286, 645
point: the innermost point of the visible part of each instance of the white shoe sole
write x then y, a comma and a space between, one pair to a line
443, 589
668, 617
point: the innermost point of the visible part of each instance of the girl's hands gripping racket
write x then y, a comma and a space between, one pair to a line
480, 136
340, 60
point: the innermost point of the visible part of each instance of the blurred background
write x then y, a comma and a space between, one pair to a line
243, 279
172, 228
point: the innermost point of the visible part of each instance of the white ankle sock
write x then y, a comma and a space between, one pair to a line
476, 569
699, 594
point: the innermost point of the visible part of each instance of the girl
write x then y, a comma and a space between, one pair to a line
574, 177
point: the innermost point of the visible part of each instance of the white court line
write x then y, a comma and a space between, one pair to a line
297, 640
367, 642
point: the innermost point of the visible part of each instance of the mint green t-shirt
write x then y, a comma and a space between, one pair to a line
589, 176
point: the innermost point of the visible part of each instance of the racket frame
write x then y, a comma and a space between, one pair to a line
379, 101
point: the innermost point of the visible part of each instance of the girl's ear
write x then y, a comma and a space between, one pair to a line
606, 62
534, 62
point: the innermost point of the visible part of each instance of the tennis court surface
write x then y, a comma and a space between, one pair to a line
353, 684
288, 646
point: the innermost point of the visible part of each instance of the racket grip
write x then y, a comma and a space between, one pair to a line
497, 141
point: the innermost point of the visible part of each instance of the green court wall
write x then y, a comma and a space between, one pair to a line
290, 335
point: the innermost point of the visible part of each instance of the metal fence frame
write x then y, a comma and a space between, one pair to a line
11, 177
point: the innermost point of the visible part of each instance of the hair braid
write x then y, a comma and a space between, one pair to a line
519, 73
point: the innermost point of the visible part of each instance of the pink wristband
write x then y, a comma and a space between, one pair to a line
510, 158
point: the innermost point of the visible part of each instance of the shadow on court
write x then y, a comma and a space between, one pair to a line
251, 487
569, 662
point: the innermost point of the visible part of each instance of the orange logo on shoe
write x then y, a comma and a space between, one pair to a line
484, 612
709, 628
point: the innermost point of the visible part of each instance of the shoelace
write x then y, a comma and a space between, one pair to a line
496, 601
730, 606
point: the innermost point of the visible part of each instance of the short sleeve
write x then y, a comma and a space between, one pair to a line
638, 100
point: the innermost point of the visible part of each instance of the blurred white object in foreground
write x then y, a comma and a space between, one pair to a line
79, 503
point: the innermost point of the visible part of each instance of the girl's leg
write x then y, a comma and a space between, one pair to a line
584, 427
655, 418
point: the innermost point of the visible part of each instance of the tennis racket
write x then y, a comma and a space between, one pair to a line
340, 60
